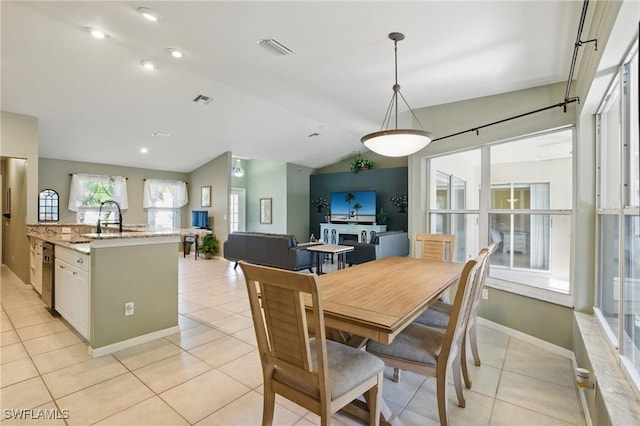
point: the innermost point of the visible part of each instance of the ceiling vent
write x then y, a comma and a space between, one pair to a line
274, 46
202, 99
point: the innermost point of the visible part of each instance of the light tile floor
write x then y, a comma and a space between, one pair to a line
210, 373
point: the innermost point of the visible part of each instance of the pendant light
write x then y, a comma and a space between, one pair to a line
396, 142
237, 171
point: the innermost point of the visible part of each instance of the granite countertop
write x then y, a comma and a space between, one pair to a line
81, 242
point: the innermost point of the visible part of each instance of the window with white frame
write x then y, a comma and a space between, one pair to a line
88, 192
454, 202
163, 200
618, 215
237, 207
517, 194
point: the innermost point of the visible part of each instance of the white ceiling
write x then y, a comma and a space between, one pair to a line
95, 103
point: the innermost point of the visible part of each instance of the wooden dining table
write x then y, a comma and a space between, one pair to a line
378, 299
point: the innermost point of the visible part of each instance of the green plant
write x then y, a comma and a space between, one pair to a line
381, 218
210, 245
360, 163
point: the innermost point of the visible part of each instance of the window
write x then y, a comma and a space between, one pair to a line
454, 205
519, 195
237, 209
618, 215
48, 206
87, 192
163, 199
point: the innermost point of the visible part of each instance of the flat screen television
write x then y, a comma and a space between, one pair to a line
200, 219
353, 206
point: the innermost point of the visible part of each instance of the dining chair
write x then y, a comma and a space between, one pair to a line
321, 375
434, 246
438, 316
429, 351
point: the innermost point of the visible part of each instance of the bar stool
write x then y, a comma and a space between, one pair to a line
190, 239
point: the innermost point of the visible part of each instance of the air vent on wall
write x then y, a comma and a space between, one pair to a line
202, 99
274, 46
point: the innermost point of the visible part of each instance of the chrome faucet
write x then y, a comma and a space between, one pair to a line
100, 223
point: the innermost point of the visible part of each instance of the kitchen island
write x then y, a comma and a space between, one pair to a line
123, 292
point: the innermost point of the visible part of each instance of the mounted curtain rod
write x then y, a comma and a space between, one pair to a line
166, 180
477, 129
562, 104
98, 176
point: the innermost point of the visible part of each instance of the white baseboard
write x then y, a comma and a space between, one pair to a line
125, 344
558, 350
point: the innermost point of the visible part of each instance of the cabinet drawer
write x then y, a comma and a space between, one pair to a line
72, 257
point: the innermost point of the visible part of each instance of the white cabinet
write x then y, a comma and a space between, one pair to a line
72, 271
35, 261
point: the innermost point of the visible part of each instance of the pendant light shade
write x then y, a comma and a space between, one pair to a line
396, 142
237, 170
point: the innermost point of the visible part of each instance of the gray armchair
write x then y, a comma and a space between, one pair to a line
385, 244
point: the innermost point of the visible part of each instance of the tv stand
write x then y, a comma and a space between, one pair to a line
331, 232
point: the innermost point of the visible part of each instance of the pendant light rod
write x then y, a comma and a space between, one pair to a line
396, 142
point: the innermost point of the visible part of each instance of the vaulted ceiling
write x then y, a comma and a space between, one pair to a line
95, 102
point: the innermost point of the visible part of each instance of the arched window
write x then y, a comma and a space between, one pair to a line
48, 206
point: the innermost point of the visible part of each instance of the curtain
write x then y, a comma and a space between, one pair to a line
164, 193
91, 190
539, 238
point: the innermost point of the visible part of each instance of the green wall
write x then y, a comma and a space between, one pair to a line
216, 174
144, 274
546, 321
56, 175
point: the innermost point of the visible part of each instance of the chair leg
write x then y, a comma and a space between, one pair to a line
396, 375
473, 339
269, 403
441, 392
457, 381
374, 400
463, 361
236, 265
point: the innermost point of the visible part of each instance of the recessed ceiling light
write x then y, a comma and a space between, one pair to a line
175, 53
143, 150
148, 65
99, 34
149, 14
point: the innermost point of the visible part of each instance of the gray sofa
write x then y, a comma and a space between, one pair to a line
385, 244
276, 250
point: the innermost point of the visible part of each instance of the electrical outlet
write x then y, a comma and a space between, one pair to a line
128, 309
66, 230
485, 294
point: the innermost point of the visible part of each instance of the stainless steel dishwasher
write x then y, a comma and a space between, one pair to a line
48, 281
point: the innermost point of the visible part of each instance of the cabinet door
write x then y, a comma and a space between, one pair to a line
64, 289
81, 302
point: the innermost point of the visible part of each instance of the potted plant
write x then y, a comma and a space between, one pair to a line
360, 163
381, 218
210, 246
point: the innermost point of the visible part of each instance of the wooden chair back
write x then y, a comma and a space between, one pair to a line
279, 316
434, 246
459, 316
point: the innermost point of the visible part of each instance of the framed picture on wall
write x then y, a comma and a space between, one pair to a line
205, 196
265, 210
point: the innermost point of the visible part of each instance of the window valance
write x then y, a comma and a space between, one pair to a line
91, 190
164, 194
